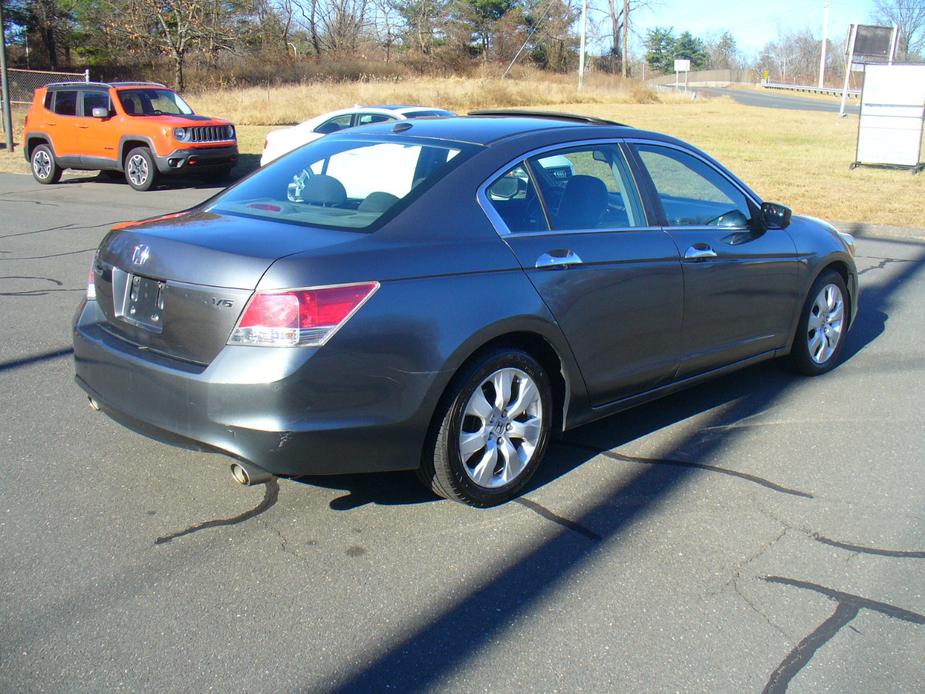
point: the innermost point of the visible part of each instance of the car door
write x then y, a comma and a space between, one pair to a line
99, 144
739, 281
574, 219
65, 134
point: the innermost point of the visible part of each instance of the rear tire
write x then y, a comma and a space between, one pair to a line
140, 169
823, 326
490, 431
45, 169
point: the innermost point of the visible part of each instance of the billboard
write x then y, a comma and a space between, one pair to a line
892, 115
873, 44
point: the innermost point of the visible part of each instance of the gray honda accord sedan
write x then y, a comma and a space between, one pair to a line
446, 295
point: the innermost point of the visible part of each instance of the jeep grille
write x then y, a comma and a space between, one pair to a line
209, 133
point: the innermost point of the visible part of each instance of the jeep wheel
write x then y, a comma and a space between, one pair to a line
140, 169
44, 167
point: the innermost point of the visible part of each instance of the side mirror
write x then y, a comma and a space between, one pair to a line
100, 112
775, 216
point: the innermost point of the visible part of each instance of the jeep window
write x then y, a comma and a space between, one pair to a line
92, 100
48, 98
153, 102
66, 103
342, 183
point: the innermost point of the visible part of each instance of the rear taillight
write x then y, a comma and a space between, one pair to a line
299, 317
91, 284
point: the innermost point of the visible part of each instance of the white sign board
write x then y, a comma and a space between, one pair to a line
682, 65
892, 115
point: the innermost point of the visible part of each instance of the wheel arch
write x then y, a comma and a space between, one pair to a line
33, 140
129, 142
842, 268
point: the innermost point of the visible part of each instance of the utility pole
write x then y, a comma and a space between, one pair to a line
825, 40
626, 38
7, 118
581, 46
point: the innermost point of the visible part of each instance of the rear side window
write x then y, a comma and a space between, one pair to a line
516, 201
342, 183
66, 103
334, 124
92, 100
691, 191
49, 98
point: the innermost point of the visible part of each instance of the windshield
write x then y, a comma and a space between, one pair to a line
153, 102
342, 183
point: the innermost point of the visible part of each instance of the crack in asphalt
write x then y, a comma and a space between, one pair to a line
684, 463
883, 263
737, 576
68, 227
555, 518
848, 607
270, 497
52, 255
41, 292
895, 553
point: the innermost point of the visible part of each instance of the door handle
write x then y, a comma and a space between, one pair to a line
558, 258
699, 251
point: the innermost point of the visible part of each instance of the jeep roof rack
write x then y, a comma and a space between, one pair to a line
106, 85
547, 114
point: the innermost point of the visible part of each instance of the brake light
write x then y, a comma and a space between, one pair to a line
299, 317
91, 285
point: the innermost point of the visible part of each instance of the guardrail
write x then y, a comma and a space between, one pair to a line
832, 91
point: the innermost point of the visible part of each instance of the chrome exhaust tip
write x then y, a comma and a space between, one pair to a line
93, 403
248, 475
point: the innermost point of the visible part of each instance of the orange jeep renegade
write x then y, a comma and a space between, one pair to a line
141, 129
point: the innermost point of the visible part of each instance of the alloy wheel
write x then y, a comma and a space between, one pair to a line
825, 323
41, 164
501, 428
137, 170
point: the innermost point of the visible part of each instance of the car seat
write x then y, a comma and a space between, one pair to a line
583, 203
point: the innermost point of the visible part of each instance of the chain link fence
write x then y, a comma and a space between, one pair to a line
23, 84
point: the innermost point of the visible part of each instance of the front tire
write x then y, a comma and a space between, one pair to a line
823, 326
140, 169
45, 169
491, 431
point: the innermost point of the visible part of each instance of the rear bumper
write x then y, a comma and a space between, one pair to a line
273, 407
192, 159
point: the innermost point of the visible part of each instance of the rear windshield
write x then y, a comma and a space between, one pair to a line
153, 102
342, 183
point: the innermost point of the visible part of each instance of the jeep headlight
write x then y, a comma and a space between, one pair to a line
182, 134
229, 130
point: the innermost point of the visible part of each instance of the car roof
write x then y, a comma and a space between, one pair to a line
489, 129
100, 86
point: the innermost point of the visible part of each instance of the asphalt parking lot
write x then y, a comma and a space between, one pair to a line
757, 533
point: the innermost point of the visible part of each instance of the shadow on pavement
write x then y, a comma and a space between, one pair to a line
419, 659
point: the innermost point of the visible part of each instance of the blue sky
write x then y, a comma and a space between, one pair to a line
753, 23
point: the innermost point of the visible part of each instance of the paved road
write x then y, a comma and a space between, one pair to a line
772, 98
762, 530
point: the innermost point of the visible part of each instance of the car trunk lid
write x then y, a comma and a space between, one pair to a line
176, 285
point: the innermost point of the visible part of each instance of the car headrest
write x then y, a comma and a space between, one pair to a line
583, 202
321, 189
377, 202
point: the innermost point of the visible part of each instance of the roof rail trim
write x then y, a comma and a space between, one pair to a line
79, 83
547, 114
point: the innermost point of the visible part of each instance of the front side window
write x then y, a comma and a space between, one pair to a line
153, 102
66, 103
691, 191
367, 118
92, 100
342, 183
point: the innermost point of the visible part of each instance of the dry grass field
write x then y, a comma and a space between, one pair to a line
799, 158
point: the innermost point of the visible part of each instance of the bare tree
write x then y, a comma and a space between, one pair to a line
909, 16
